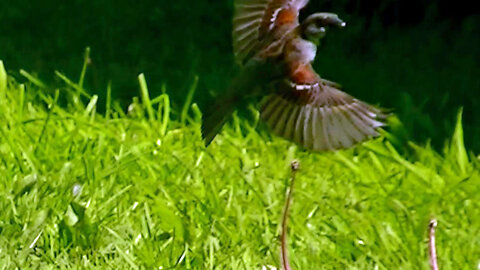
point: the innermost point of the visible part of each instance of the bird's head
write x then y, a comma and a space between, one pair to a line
314, 27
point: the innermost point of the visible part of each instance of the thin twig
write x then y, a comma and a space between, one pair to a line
431, 244
295, 165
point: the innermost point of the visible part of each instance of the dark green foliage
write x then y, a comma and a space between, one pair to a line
420, 58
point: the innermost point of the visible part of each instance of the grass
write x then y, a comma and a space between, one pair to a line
138, 190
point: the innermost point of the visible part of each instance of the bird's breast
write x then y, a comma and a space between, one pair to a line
300, 50
302, 74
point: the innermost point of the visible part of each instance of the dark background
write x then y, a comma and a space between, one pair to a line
420, 58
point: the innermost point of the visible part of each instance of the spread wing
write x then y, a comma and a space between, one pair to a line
314, 114
258, 24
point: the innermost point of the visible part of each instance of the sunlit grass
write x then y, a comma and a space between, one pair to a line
138, 190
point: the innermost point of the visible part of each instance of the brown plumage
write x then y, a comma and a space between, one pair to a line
276, 53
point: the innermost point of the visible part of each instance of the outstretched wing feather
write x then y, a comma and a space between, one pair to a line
254, 22
320, 117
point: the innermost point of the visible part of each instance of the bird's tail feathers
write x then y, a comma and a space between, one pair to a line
216, 116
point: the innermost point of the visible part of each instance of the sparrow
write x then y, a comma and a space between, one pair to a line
276, 52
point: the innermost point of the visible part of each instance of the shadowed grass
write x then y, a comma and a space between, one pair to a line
138, 190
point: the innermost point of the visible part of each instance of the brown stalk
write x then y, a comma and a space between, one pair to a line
431, 244
295, 165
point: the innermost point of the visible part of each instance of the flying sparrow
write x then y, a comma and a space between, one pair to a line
276, 54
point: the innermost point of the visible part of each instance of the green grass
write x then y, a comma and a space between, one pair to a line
138, 190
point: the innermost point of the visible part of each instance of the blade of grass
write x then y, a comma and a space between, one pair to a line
75, 86
51, 106
3, 79
145, 97
128, 258
188, 100
91, 105
86, 61
109, 101
165, 114
21, 102
33, 79
10, 143
458, 145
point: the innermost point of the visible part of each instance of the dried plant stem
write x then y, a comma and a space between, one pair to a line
431, 245
295, 165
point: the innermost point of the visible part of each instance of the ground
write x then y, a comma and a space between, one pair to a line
138, 190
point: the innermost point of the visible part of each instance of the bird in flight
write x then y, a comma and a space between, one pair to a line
275, 52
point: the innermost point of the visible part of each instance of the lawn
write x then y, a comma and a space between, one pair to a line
137, 189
